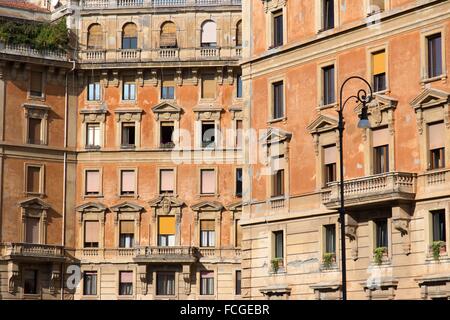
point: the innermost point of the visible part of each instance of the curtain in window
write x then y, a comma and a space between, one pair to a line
91, 231
128, 180
380, 137
166, 284
93, 134
207, 282
436, 135
382, 236
208, 86
434, 55
90, 283
279, 247
330, 239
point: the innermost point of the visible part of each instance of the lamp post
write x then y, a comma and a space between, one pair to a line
361, 97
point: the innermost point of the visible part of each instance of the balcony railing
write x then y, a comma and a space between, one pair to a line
168, 54
376, 188
208, 53
158, 254
216, 252
32, 250
277, 203
129, 55
25, 50
94, 55
112, 4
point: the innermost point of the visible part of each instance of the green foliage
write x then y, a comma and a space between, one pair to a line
328, 259
378, 255
40, 36
436, 249
275, 264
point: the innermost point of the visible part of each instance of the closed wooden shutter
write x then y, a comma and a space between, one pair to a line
379, 62
208, 86
32, 230
95, 37
127, 227
168, 80
33, 179
128, 179
167, 225
436, 133
126, 277
91, 231
207, 225
36, 83
34, 131
130, 30
168, 35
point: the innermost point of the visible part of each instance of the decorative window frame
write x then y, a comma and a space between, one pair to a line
175, 180
369, 53
381, 113
434, 286
207, 113
160, 82
237, 113
319, 18
324, 130
177, 274
424, 78
207, 210
91, 211
320, 84
100, 193
369, 12
98, 271
126, 268
128, 115
119, 182
34, 208
218, 77
36, 111
322, 243
270, 7
440, 205
127, 211
327, 290
43, 87
167, 111
431, 105
212, 268
271, 248
101, 81
270, 105
93, 116
199, 179
122, 83
166, 206
41, 167
372, 238
236, 214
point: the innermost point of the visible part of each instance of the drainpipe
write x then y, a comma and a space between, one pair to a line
66, 125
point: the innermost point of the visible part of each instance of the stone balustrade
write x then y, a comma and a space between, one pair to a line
113, 4
31, 250
25, 50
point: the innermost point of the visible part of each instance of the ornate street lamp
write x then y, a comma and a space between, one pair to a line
363, 123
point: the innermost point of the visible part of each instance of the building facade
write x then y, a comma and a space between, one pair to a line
396, 173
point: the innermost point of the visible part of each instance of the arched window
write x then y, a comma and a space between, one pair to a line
168, 38
209, 34
239, 34
95, 36
129, 36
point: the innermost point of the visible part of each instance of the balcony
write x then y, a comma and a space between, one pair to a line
168, 54
210, 254
129, 55
31, 251
371, 189
433, 183
94, 55
25, 50
180, 254
117, 4
106, 254
207, 53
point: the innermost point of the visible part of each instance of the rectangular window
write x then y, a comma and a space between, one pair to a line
278, 183
168, 87
380, 142
439, 229
328, 85
129, 89
329, 159
90, 283
379, 70
328, 14
381, 233
34, 179
93, 135
126, 238
34, 131
128, 134
166, 134
238, 233
127, 182
239, 86
32, 230
239, 133
30, 282
92, 186
278, 100
278, 238
93, 89
207, 233
239, 182
36, 84
166, 181
277, 29
434, 55
436, 137
166, 231
238, 284
207, 283
91, 234
208, 134
165, 283
125, 283
330, 238
208, 181
208, 86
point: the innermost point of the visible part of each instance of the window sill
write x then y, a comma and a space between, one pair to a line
94, 102
127, 297
130, 196
442, 77
89, 297
35, 194
165, 297
327, 106
93, 196
31, 296
207, 100
205, 195
36, 98
92, 148
283, 119
382, 92
127, 147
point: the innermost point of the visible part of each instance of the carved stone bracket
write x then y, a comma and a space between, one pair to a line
13, 277
105, 78
54, 280
220, 75
351, 226
400, 219
179, 77
230, 76
153, 78
140, 78
115, 78
187, 279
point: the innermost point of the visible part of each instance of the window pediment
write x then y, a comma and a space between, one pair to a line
207, 206
127, 207
270, 5
235, 206
207, 112
275, 135
430, 98
128, 115
379, 109
38, 111
167, 111
34, 204
323, 123
93, 115
91, 207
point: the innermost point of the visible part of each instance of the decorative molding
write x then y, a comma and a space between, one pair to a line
207, 112
167, 111
270, 5
351, 226
275, 135
237, 113
179, 77
93, 115
127, 115
140, 78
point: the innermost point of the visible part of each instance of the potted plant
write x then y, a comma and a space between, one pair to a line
276, 264
378, 255
328, 260
437, 248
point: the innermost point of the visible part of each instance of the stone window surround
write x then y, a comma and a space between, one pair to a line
198, 30
41, 192
93, 116
90, 268
369, 52
236, 212
271, 248
166, 206
177, 274
218, 77
320, 98
237, 113
319, 18
128, 115
121, 84
100, 193
175, 179
90, 22
36, 111
270, 7
126, 268
270, 105
439, 283
440, 205
44, 81
126, 211
91, 212
322, 241
424, 57
372, 238
167, 111
207, 113
38, 210
207, 210
199, 179
211, 268
119, 182
102, 82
